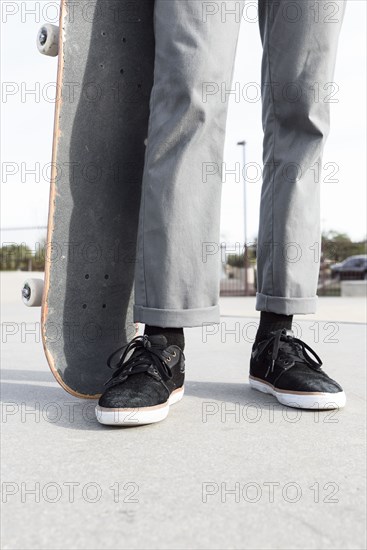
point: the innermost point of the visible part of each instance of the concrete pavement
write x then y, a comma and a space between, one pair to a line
229, 468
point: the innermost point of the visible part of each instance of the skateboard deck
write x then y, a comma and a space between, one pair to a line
104, 80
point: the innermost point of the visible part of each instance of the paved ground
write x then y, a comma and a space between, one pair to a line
229, 468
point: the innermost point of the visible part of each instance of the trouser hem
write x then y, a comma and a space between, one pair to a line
286, 306
176, 317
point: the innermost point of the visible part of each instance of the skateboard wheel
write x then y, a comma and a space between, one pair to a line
48, 40
32, 292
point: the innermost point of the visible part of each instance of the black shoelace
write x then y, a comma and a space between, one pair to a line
294, 348
147, 356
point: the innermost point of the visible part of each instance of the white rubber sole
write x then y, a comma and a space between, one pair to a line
301, 400
138, 417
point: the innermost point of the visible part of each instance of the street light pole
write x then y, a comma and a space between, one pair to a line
243, 145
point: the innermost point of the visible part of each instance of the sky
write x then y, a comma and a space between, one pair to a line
27, 127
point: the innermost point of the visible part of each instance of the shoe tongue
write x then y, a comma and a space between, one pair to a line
158, 339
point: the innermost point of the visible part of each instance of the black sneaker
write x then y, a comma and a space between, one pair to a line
144, 385
281, 365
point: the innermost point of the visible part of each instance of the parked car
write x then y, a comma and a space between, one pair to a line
354, 267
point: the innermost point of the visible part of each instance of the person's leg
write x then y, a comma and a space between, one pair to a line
177, 273
299, 50
300, 43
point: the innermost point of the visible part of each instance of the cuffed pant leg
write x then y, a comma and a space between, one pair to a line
178, 258
300, 42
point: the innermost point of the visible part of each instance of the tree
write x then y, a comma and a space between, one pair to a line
338, 246
15, 257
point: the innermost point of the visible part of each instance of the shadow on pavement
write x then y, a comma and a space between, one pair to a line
23, 399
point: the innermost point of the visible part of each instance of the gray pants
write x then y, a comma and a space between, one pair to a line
178, 263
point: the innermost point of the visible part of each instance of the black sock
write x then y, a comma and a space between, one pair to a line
175, 336
272, 321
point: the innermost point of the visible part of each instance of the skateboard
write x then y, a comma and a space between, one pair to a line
105, 74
